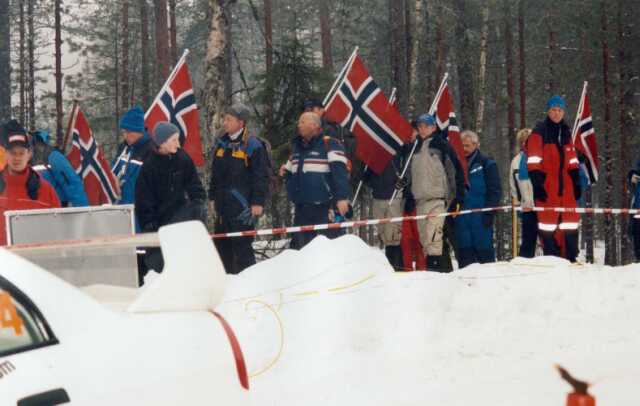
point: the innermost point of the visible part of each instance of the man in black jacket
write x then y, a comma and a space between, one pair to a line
239, 185
168, 189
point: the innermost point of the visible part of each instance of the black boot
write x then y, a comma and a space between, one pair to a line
549, 244
571, 245
437, 263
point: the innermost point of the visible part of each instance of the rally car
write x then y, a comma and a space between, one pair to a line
162, 344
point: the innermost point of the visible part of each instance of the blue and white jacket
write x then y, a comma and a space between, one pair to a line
316, 172
127, 166
484, 182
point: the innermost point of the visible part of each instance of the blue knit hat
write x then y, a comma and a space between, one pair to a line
427, 119
556, 101
133, 120
163, 131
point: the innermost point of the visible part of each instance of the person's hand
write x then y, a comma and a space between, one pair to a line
282, 170
401, 183
635, 178
342, 206
256, 210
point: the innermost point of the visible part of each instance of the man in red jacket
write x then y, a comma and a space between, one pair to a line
21, 187
554, 172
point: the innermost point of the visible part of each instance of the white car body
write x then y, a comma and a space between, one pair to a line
164, 346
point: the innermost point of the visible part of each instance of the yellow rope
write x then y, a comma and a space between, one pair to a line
351, 285
281, 327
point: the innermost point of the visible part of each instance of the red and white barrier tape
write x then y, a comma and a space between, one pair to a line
151, 239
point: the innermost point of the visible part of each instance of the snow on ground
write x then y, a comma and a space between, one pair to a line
333, 325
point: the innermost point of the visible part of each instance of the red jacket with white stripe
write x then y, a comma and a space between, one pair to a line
552, 163
14, 195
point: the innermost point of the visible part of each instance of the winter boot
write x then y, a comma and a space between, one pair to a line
437, 263
549, 244
571, 245
466, 257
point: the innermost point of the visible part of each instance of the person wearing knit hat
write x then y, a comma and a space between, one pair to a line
131, 154
238, 187
168, 189
21, 187
167, 137
554, 171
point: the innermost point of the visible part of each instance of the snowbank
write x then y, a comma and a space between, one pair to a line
333, 325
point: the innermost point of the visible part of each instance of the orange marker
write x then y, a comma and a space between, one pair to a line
9, 315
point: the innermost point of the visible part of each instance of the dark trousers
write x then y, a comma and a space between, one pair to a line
236, 253
635, 233
308, 214
550, 244
529, 234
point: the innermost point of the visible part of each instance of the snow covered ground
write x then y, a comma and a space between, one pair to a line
333, 325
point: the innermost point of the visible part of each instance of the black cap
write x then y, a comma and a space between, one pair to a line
16, 135
312, 103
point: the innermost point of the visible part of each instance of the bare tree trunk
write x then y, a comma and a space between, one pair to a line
173, 32
58, 74
415, 51
124, 72
465, 70
21, 72
325, 35
399, 51
162, 41
610, 257
215, 68
228, 49
522, 65
439, 47
5, 62
626, 118
116, 70
31, 82
268, 48
144, 45
511, 102
482, 70
551, 44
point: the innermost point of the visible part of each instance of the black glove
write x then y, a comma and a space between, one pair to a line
487, 220
401, 183
575, 179
409, 204
537, 180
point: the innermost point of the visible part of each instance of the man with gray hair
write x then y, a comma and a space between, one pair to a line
238, 186
474, 232
316, 175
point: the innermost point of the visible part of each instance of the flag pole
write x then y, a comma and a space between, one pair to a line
340, 76
432, 110
392, 99
166, 83
574, 132
70, 124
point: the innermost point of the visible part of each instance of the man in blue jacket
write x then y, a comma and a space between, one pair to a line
316, 175
131, 153
56, 169
474, 232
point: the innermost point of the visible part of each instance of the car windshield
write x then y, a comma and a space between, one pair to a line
20, 327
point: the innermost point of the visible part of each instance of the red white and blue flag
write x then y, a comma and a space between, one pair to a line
87, 159
176, 103
584, 137
447, 122
359, 105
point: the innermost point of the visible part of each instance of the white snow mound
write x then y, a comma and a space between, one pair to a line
332, 324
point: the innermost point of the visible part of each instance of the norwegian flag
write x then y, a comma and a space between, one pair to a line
447, 122
176, 103
359, 105
87, 159
584, 137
